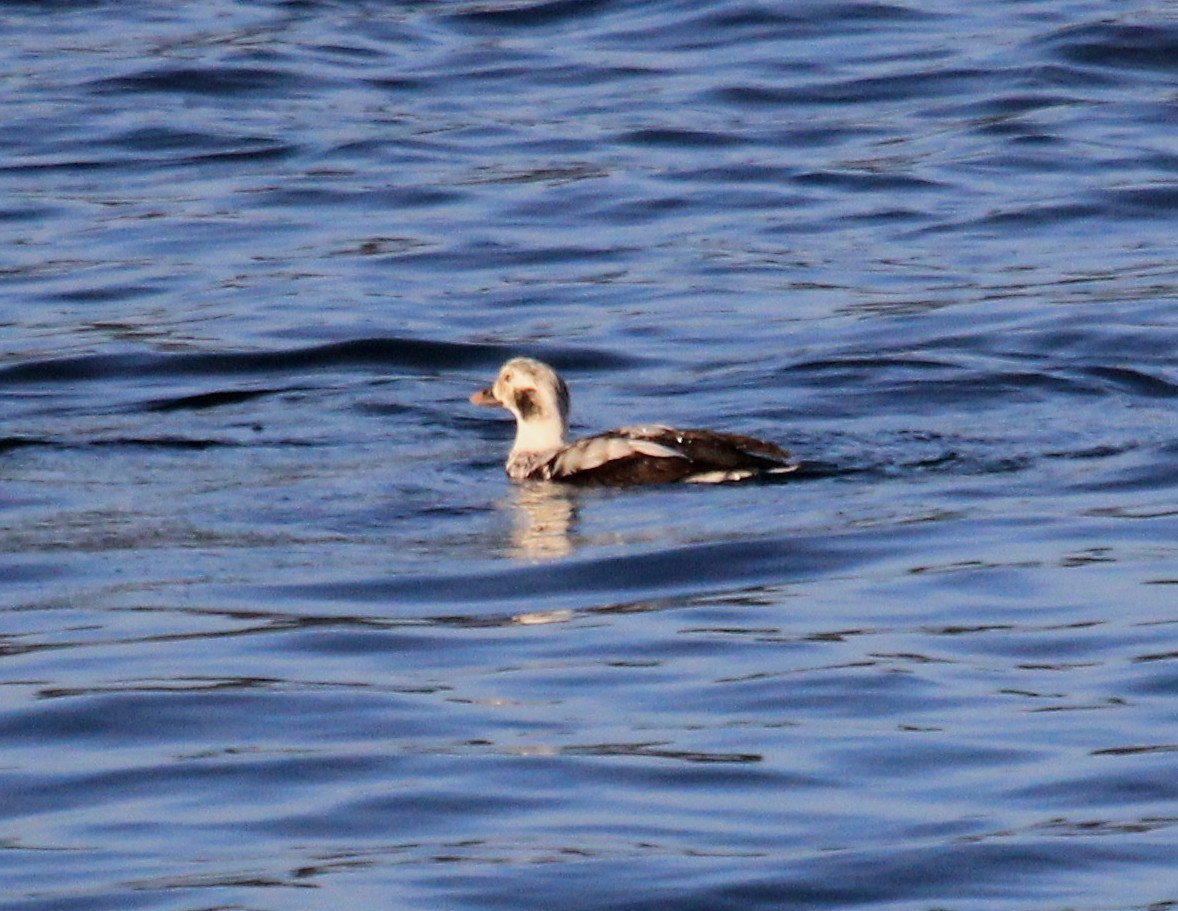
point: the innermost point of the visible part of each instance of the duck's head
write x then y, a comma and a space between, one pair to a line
538, 398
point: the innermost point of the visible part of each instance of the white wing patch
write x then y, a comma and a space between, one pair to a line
720, 477
644, 430
597, 451
658, 450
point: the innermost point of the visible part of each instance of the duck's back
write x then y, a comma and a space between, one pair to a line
654, 454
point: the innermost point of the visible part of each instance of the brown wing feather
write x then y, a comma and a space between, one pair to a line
695, 452
712, 451
636, 469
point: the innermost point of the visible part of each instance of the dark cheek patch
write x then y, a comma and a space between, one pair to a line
526, 404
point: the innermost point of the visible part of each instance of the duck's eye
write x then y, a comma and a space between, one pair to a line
507, 376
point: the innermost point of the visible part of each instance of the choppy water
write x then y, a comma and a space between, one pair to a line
277, 633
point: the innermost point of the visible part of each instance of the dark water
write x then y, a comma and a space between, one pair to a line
276, 632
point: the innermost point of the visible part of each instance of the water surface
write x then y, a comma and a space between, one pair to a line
275, 631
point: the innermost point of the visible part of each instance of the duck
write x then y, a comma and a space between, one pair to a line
538, 398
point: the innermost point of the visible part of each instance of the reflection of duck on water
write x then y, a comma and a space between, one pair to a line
650, 454
542, 519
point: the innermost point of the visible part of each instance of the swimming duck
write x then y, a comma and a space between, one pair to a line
650, 454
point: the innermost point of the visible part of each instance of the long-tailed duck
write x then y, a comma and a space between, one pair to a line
650, 454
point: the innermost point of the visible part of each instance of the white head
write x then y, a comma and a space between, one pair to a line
537, 397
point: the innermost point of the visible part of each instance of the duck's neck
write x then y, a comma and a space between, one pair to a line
538, 435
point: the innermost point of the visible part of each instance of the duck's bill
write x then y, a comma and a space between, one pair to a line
484, 397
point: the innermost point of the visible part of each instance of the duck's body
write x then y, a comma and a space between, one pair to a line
652, 454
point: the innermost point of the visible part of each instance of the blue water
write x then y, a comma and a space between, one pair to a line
276, 632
